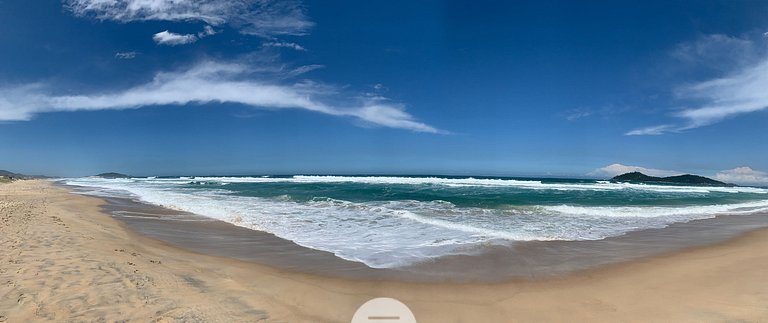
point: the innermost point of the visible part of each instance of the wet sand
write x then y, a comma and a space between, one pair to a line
492, 263
65, 259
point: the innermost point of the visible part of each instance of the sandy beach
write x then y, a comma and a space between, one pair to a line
65, 260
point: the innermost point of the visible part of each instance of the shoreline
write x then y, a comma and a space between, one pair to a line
523, 260
68, 260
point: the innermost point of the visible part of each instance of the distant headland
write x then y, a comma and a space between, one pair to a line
686, 179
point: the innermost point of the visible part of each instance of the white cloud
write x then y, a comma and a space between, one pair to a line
173, 39
618, 169
389, 115
209, 82
255, 17
743, 90
741, 93
652, 130
743, 176
285, 45
126, 55
207, 31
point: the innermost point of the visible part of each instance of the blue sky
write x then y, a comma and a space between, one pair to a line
439, 87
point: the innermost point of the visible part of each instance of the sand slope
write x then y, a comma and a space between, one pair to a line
63, 260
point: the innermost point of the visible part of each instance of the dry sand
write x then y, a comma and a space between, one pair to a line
64, 260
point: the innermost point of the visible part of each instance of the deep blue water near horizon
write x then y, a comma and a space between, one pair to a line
469, 196
389, 221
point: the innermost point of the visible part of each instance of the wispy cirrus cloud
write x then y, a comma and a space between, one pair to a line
577, 114
264, 18
126, 55
653, 130
266, 86
740, 93
716, 52
742, 90
294, 72
605, 112
285, 45
210, 82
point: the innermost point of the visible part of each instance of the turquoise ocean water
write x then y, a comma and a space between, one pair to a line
390, 221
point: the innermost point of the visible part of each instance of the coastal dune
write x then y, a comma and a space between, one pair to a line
63, 259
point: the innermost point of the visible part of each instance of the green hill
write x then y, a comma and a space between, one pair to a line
686, 179
9, 174
112, 175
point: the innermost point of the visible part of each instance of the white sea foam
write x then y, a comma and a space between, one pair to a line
656, 211
456, 182
488, 182
393, 233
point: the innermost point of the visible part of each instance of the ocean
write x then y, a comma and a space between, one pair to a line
394, 221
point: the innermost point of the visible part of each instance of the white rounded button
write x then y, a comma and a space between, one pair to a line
383, 310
